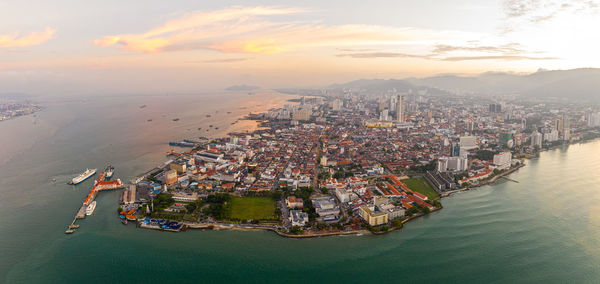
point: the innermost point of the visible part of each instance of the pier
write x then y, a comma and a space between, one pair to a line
99, 185
509, 179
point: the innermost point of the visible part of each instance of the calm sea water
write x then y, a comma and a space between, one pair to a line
546, 228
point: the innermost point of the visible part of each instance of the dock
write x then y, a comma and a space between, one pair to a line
100, 184
509, 179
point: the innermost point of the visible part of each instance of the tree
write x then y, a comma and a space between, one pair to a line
191, 207
295, 230
485, 155
277, 212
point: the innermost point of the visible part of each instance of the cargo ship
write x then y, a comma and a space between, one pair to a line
182, 144
83, 176
90, 209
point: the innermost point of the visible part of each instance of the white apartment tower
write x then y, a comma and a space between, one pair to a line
400, 109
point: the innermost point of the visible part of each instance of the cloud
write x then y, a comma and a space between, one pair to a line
227, 60
382, 55
33, 38
496, 57
256, 30
511, 48
441, 52
537, 11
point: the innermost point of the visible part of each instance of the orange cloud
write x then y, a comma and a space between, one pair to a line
33, 38
252, 30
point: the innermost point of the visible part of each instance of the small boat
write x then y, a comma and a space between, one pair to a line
216, 128
210, 125
208, 115
90, 209
110, 170
69, 231
143, 106
199, 128
149, 120
124, 221
228, 112
175, 119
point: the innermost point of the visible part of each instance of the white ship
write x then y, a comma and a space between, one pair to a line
90, 209
83, 176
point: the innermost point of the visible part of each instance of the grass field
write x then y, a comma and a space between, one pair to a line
255, 208
421, 186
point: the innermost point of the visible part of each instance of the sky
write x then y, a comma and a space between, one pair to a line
124, 47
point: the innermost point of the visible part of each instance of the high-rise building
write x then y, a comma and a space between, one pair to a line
566, 128
400, 109
503, 160
536, 139
495, 108
468, 142
337, 105
456, 164
301, 114
455, 149
558, 125
506, 139
384, 115
593, 119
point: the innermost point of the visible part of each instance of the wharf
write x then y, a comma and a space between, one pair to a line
99, 184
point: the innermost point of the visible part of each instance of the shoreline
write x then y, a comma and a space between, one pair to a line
312, 234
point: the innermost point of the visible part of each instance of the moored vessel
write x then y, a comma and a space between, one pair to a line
90, 209
83, 176
110, 170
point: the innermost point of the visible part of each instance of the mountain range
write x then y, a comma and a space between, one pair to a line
572, 84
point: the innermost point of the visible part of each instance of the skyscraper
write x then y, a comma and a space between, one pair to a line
566, 128
400, 109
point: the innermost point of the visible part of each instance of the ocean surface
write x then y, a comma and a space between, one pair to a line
545, 228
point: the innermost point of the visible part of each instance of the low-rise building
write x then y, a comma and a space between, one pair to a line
326, 207
171, 177
294, 202
373, 217
298, 218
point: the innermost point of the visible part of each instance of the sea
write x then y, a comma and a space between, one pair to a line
542, 227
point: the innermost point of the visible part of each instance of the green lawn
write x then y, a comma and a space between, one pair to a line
421, 186
255, 208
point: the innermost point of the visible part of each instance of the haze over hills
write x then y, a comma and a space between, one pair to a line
575, 83
242, 88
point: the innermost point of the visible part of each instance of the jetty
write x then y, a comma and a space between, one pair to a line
100, 184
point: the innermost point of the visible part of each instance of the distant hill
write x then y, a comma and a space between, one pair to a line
242, 88
575, 83
383, 85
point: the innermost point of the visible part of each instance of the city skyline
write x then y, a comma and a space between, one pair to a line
75, 48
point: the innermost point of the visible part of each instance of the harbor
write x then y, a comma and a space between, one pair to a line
89, 204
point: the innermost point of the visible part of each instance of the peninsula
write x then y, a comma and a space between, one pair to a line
349, 162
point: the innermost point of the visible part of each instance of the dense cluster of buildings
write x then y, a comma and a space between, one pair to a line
354, 150
14, 109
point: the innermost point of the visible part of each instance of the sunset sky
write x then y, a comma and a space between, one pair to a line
79, 47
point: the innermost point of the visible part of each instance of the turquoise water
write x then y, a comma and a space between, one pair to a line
546, 228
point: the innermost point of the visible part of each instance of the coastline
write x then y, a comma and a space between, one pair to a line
233, 226
313, 234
